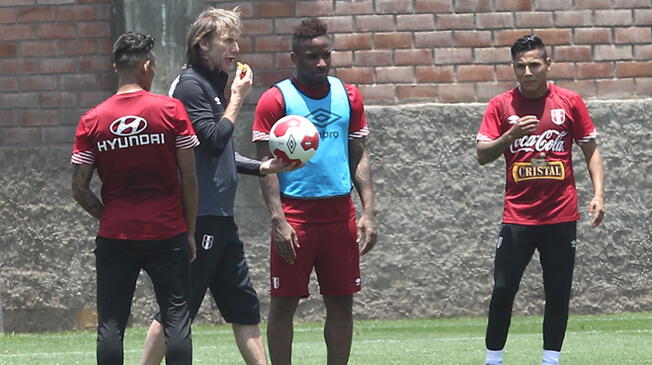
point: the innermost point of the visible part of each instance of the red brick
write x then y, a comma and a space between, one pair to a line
105, 46
573, 18
369, 23
643, 16
19, 100
373, 58
106, 81
555, 36
592, 35
57, 65
61, 134
354, 7
472, 6
613, 17
94, 63
17, 66
505, 72
7, 15
413, 56
470, 38
80, 82
586, 88
73, 47
274, 9
344, 58
492, 55
88, 99
57, 30
8, 83
94, 1
643, 86
94, 29
539, 19
633, 35
75, 13
371, 93
433, 6
509, 36
21, 135
38, 48
562, 70
572, 53
416, 92
494, 20
455, 21
55, 2
456, 93
314, 8
641, 52
8, 50
552, 4
593, 4
270, 77
595, 70
612, 52
58, 99
18, 31
356, 75
18, 2
353, 41
453, 56
392, 40
246, 44
475, 73
339, 24
257, 61
629, 4
38, 117
633, 69
284, 26
71, 116
272, 43
433, 39
393, 6
415, 22
38, 83
103, 12
486, 90
36, 14
395, 74
435, 74
513, 5
283, 60
8, 118
615, 88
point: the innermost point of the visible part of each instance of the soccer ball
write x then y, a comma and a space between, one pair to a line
293, 138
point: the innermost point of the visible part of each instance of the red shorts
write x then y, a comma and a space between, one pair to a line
330, 248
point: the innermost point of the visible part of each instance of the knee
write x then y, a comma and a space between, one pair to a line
504, 291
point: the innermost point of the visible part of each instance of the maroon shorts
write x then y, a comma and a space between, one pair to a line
331, 249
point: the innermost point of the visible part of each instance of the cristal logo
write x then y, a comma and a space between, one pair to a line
128, 125
550, 140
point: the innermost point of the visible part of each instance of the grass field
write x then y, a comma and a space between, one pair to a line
590, 340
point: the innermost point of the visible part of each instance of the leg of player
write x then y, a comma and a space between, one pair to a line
280, 329
338, 329
154, 349
250, 343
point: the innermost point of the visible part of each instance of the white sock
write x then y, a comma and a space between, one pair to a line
494, 357
550, 357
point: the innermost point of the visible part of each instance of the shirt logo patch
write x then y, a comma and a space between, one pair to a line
558, 116
276, 282
552, 170
217, 101
128, 125
207, 242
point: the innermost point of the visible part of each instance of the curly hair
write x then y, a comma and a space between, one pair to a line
209, 23
131, 48
307, 30
527, 43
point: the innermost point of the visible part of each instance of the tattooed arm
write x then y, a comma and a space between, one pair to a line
361, 175
81, 192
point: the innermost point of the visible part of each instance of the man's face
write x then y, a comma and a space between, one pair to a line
313, 60
221, 51
531, 70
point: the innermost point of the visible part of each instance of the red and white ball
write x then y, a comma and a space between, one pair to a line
293, 138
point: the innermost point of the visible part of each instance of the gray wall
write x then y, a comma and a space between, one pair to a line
438, 220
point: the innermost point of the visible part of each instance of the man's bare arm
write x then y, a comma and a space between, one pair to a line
81, 192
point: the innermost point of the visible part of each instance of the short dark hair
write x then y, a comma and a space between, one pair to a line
131, 48
307, 30
527, 43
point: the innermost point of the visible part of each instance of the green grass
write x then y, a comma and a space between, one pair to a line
595, 340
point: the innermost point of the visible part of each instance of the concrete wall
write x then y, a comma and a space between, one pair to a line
438, 220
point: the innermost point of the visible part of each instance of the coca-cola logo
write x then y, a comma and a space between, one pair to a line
128, 125
549, 141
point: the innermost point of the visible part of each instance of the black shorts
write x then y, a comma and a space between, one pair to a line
221, 266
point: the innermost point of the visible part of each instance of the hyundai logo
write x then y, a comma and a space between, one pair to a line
128, 125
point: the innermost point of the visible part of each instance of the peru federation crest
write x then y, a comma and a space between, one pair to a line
558, 116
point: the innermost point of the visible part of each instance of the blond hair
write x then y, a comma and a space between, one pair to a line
211, 22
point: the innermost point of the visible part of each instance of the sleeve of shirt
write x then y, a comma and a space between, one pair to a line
214, 134
246, 165
358, 127
186, 137
269, 109
490, 126
583, 127
83, 151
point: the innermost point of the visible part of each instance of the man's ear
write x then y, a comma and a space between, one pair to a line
548, 62
203, 44
146, 65
293, 57
115, 68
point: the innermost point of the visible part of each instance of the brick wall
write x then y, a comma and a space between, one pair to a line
449, 51
54, 64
